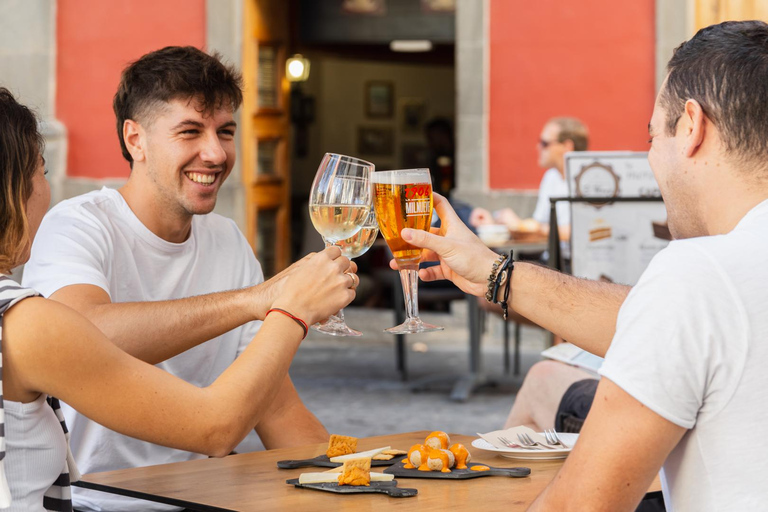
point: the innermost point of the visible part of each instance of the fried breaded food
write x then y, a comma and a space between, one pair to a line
461, 455
356, 472
437, 439
417, 456
341, 445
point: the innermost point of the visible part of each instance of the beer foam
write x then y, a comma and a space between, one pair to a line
405, 177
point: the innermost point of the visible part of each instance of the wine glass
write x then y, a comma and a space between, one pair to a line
352, 247
403, 199
339, 204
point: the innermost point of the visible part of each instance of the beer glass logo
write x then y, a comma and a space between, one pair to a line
418, 190
418, 200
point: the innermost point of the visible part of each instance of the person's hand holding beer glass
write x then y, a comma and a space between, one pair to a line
403, 199
340, 204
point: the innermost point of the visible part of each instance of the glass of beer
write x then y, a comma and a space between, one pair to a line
403, 199
340, 204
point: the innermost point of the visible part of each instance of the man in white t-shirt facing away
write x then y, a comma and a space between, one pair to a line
684, 387
164, 278
559, 136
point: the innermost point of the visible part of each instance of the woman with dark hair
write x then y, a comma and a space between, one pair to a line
47, 350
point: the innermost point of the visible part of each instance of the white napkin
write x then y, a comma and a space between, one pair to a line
510, 435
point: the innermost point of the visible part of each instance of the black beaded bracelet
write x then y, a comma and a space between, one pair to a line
489, 295
503, 278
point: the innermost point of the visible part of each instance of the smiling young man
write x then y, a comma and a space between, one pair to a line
684, 387
153, 268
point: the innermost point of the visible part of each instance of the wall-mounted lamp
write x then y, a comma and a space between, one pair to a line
297, 68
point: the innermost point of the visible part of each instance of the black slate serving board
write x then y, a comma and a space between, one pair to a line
389, 488
457, 474
324, 462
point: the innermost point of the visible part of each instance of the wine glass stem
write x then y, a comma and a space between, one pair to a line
340, 315
410, 281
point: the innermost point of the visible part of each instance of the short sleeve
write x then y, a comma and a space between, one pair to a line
681, 336
71, 247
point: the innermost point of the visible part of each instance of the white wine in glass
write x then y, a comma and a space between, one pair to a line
340, 203
337, 221
403, 199
359, 243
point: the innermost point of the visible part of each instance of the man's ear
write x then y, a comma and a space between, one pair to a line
695, 125
135, 139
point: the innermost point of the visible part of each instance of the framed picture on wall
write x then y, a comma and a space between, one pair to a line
375, 141
413, 112
379, 96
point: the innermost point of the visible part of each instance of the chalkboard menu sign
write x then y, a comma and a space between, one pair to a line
614, 241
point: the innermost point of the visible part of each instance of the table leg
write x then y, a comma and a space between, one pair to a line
517, 348
465, 385
506, 347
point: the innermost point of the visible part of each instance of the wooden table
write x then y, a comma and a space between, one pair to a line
252, 481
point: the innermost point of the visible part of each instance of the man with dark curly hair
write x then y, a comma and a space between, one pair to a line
164, 278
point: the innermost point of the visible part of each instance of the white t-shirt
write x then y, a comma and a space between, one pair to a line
552, 185
96, 239
691, 344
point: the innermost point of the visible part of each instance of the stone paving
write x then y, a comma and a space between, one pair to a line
353, 386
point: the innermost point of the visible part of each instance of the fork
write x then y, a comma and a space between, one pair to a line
510, 444
553, 438
526, 440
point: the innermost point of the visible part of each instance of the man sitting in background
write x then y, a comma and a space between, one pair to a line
559, 136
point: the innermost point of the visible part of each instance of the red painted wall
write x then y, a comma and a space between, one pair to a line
593, 59
95, 41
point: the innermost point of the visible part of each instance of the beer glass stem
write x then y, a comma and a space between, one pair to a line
410, 281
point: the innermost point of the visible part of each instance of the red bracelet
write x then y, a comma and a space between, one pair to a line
296, 319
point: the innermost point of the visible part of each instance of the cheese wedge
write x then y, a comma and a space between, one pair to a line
369, 453
333, 478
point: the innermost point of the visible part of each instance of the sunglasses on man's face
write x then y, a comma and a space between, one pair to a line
544, 144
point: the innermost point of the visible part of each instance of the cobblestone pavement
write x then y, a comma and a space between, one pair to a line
353, 386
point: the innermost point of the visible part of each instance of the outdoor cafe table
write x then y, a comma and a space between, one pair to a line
252, 481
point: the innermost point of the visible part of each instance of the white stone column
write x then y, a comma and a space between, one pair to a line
674, 24
224, 34
28, 69
472, 113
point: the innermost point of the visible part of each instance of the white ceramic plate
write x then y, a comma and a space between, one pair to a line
522, 453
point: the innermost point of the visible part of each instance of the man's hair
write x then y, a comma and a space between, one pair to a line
20, 147
572, 129
725, 69
172, 73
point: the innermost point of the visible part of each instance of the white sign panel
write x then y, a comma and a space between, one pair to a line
614, 242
